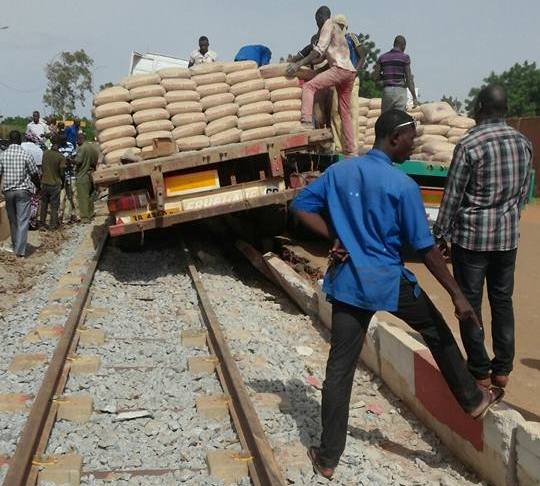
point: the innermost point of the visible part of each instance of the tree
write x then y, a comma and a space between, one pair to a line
69, 79
522, 84
453, 102
105, 86
368, 87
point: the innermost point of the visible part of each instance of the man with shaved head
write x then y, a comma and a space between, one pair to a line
488, 184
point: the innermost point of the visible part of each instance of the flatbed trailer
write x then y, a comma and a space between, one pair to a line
208, 182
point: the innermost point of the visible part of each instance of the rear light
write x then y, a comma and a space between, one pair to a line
127, 201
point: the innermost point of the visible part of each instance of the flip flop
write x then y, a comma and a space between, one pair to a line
325, 472
495, 396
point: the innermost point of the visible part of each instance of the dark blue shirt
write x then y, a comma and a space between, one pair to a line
71, 133
258, 53
374, 209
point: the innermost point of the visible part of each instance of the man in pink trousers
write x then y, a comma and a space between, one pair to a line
333, 46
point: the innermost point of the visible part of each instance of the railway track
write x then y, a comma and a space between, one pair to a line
175, 367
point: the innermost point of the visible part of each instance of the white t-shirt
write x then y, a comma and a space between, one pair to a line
198, 58
34, 150
37, 129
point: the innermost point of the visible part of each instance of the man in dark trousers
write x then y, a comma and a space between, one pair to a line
373, 209
488, 184
86, 160
52, 178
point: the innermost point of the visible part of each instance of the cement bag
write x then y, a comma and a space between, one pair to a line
182, 95
211, 78
257, 133
436, 147
221, 111
186, 118
371, 122
256, 108
184, 107
189, 130
435, 112
287, 105
423, 139
435, 129
113, 121
369, 140
147, 138
255, 121
115, 156
281, 82
148, 103
287, 127
116, 132
286, 94
247, 86
364, 102
253, 97
375, 103
220, 125
155, 126
193, 143
111, 109
277, 70
370, 132
462, 122
243, 76
231, 67
362, 120
287, 116
147, 91
363, 111
213, 89
174, 72
206, 68
418, 116
445, 157
137, 80
456, 132
177, 84
116, 144
454, 140
232, 135
150, 115
216, 100
110, 95
374, 113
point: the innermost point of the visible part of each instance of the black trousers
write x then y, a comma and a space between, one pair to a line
496, 268
50, 195
349, 326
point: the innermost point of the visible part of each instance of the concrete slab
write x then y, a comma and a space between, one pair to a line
63, 470
76, 407
214, 407
229, 466
202, 364
21, 362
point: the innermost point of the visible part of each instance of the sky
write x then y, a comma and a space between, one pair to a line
453, 44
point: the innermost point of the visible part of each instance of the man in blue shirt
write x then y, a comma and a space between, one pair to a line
258, 53
72, 131
371, 209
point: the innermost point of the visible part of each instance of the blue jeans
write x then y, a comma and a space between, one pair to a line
18, 207
496, 268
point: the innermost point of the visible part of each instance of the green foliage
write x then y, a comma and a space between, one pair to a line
69, 79
105, 85
522, 84
453, 102
368, 87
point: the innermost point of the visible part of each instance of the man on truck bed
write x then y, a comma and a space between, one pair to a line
372, 210
203, 54
393, 69
341, 74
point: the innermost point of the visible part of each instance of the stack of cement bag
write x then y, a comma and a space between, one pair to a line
370, 111
253, 99
286, 98
183, 103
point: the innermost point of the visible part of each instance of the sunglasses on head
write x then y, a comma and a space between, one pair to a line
406, 124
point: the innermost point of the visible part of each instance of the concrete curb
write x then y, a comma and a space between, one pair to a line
503, 448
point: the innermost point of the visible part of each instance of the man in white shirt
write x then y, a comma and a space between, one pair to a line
33, 149
203, 54
37, 128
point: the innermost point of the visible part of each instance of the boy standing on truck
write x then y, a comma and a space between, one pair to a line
203, 54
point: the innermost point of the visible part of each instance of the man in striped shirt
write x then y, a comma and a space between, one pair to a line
487, 186
393, 69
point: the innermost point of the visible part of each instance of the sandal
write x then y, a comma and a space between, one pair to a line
494, 396
325, 472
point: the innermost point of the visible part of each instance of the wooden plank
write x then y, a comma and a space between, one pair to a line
265, 470
183, 217
212, 155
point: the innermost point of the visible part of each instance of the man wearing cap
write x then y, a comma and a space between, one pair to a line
341, 74
370, 210
358, 57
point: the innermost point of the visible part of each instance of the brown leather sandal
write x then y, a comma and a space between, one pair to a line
494, 396
500, 381
325, 472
